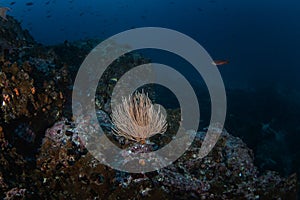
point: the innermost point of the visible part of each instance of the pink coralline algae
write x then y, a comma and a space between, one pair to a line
15, 193
55, 133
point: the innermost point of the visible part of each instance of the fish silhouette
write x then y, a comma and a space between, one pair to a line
220, 62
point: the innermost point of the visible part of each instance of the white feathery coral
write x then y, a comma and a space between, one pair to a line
136, 118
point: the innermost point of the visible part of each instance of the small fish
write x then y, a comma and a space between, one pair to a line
114, 79
12, 3
220, 62
29, 4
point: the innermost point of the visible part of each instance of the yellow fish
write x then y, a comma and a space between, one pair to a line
114, 79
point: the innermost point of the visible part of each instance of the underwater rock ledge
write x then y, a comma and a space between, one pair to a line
66, 170
227, 172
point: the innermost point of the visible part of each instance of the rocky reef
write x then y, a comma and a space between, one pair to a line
227, 172
43, 157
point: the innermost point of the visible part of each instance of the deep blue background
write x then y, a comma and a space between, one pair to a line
261, 38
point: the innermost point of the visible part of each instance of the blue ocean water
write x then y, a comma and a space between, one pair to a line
260, 38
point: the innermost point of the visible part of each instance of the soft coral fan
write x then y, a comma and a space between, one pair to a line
137, 119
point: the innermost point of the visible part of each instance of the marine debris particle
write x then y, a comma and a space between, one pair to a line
3, 11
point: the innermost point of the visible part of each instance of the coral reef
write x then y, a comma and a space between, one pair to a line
227, 172
43, 157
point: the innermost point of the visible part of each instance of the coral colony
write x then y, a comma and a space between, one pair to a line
137, 119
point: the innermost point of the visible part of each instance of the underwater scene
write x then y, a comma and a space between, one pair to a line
149, 99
